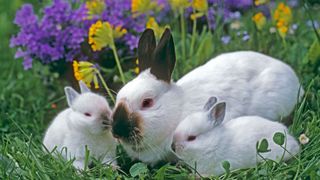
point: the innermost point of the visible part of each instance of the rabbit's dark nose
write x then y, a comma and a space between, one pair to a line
126, 125
121, 126
121, 129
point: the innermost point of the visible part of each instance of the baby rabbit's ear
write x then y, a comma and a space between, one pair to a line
71, 95
217, 113
83, 87
164, 58
146, 46
211, 101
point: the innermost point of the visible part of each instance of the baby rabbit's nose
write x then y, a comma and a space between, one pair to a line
105, 116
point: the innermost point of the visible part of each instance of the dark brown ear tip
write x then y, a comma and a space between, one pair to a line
147, 35
166, 39
166, 34
148, 32
167, 30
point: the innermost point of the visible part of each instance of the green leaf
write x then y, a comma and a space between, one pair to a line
313, 54
262, 146
226, 166
263, 172
205, 49
278, 138
137, 169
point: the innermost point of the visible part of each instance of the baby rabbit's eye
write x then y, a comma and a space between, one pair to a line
191, 138
87, 114
147, 103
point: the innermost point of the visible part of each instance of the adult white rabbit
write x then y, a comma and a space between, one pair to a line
85, 123
149, 107
201, 139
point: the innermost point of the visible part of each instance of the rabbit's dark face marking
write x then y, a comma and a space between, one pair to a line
127, 126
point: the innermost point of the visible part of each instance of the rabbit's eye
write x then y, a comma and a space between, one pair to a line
87, 114
191, 138
146, 103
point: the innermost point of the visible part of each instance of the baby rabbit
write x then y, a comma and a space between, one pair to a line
201, 138
85, 123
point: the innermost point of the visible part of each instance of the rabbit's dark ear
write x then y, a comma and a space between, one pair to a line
211, 101
71, 95
146, 46
217, 113
164, 57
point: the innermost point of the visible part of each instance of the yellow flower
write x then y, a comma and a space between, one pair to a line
102, 34
195, 16
118, 32
200, 5
283, 31
136, 69
95, 7
142, 6
282, 17
152, 24
260, 2
87, 72
177, 4
260, 20
283, 13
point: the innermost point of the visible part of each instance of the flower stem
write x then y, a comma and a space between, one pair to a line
114, 50
284, 42
193, 38
183, 34
106, 87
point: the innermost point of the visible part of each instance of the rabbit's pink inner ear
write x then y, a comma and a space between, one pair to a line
164, 58
71, 95
217, 113
146, 46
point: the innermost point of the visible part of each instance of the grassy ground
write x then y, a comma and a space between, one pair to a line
26, 100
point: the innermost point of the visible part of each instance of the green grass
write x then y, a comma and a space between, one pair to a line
26, 98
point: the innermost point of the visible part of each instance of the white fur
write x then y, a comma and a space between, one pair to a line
72, 130
251, 83
234, 141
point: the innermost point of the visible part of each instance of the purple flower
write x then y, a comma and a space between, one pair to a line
293, 3
118, 13
238, 4
294, 26
25, 17
57, 35
227, 10
225, 39
61, 31
316, 24
27, 62
131, 40
235, 15
246, 37
211, 18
